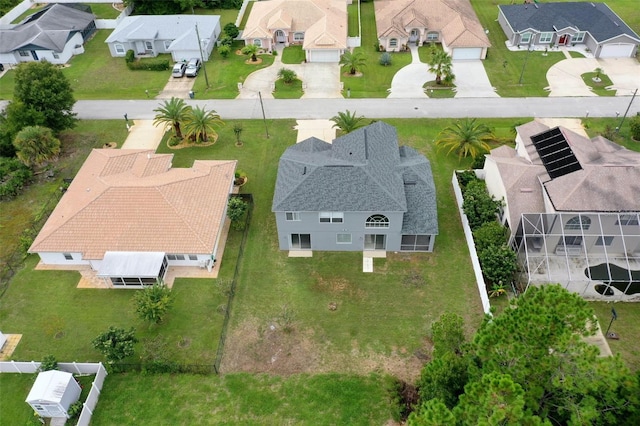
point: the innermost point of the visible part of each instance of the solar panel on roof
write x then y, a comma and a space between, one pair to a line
555, 153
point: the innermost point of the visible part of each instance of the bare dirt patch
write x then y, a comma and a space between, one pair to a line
266, 348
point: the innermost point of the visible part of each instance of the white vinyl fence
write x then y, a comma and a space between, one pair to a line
72, 367
482, 286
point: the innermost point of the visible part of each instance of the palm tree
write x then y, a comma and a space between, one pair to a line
287, 76
173, 112
200, 124
355, 61
440, 64
466, 137
250, 50
36, 145
347, 122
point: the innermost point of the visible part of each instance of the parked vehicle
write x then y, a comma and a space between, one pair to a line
193, 66
178, 70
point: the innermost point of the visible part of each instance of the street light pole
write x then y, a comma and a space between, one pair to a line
525, 61
204, 67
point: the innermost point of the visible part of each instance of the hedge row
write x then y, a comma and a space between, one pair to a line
157, 64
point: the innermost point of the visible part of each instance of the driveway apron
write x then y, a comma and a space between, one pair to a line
177, 88
472, 80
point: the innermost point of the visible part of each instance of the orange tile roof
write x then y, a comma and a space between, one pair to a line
132, 200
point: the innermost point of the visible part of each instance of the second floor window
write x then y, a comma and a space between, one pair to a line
292, 216
331, 217
377, 221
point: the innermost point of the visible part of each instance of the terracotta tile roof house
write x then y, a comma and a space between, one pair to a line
320, 26
450, 22
362, 192
131, 208
591, 24
150, 35
571, 203
55, 34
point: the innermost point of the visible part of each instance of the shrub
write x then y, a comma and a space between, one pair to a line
478, 205
287, 76
231, 30
225, 40
130, 56
489, 234
156, 64
224, 50
634, 124
116, 343
465, 177
153, 302
385, 59
14, 175
236, 209
75, 409
498, 264
48, 363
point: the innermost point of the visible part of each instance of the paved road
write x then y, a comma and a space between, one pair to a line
603, 106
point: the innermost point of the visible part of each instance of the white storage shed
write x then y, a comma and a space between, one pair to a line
53, 393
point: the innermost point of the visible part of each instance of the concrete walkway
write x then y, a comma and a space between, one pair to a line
319, 80
144, 135
321, 129
565, 78
408, 81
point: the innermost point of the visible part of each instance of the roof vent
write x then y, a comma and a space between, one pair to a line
526, 190
304, 170
535, 5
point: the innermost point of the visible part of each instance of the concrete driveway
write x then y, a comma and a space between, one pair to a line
564, 77
319, 80
471, 79
177, 88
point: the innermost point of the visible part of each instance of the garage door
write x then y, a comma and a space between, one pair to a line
616, 51
331, 55
467, 53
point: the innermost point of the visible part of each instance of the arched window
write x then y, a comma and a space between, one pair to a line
578, 222
393, 43
257, 42
377, 221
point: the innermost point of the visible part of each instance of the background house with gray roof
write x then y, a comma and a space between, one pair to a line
592, 24
573, 205
362, 192
151, 35
55, 34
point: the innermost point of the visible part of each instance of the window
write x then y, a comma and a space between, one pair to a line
119, 49
578, 222
432, 36
148, 45
292, 216
175, 256
55, 55
67, 256
343, 238
546, 37
415, 242
331, 217
23, 53
604, 241
377, 221
257, 42
393, 42
525, 38
627, 220
193, 257
578, 37
572, 241
298, 36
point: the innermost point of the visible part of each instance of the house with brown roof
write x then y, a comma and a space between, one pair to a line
573, 206
320, 26
129, 215
453, 23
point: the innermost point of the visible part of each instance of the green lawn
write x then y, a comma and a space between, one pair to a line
293, 54
226, 15
376, 79
626, 326
352, 15
288, 91
598, 87
241, 399
57, 318
225, 73
504, 67
18, 214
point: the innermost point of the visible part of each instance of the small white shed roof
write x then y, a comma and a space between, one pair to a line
49, 386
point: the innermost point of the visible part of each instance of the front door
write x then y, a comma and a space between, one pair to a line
300, 241
564, 39
414, 35
375, 241
280, 37
35, 55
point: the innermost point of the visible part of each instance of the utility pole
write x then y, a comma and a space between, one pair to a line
204, 67
525, 61
627, 111
264, 118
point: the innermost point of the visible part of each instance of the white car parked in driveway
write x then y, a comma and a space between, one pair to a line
178, 70
193, 66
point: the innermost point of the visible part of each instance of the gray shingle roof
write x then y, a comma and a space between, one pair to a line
596, 18
48, 29
363, 171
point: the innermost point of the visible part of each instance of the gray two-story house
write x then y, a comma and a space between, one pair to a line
362, 192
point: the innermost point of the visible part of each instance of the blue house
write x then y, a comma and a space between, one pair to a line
362, 192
